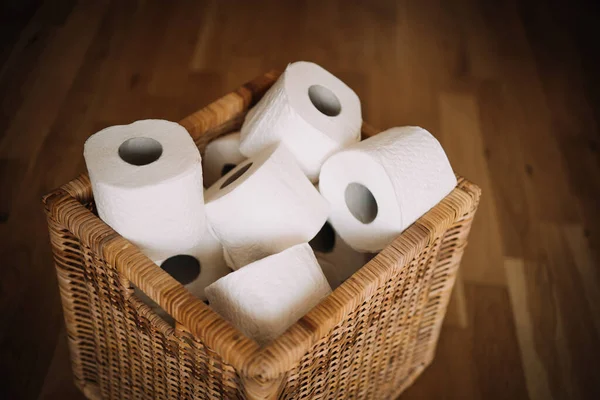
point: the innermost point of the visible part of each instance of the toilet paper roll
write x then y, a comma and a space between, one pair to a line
147, 184
221, 156
380, 186
310, 111
206, 267
264, 206
198, 267
266, 297
337, 259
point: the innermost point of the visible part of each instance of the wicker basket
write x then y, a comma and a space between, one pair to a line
368, 340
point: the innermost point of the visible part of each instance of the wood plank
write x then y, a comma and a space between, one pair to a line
22, 57
534, 368
457, 313
553, 315
576, 338
495, 346
514, 199
30, 298
134, 60
11, 173
481, 361
58, 384
201, 56
170, 72
543, 162
60, 62
582, 256
566, 86
453, 373
460, 134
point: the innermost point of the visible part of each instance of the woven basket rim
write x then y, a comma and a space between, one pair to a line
65, 205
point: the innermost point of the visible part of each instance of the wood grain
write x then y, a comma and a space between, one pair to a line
461, 136
510, 89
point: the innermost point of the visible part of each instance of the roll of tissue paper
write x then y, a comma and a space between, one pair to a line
266, 297
221, 156
196, 270
310, 111
263, 206
147, 184
380, 186
199, 267
338, 260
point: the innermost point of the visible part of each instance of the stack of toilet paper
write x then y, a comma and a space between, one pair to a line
221, 156
294, 204
147, 184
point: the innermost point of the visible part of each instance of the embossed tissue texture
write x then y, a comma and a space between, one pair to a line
266, 297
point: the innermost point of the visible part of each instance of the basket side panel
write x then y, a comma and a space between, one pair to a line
69, 264
444, 270
121, 348
138, 354
444, 276
384, 344
373, 344
206, 376
118, 362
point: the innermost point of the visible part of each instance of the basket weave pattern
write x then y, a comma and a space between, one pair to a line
369, 339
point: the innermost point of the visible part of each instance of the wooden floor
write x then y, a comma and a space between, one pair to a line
510, 88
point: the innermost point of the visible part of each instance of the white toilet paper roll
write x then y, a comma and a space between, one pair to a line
266, 297
199, 267
380, 186
147, 184
337, 259
264, 206
310, 111
196, 270
221, 156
